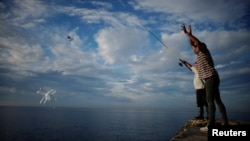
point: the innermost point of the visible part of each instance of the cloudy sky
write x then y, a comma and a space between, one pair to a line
99, 53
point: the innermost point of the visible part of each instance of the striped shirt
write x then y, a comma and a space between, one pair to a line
205, 63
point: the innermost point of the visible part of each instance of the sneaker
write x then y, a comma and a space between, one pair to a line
199, 117
204, 129
225, 123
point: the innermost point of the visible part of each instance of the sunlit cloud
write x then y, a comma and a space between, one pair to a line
110, 57
116, 44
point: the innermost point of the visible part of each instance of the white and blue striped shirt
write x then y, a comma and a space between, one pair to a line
205, 63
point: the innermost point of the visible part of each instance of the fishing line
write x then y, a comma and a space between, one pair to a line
172, 51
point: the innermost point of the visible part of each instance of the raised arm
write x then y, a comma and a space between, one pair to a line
194, 42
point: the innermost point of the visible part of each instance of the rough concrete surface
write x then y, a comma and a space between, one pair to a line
191, 130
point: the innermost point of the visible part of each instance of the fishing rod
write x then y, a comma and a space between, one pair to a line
172, 51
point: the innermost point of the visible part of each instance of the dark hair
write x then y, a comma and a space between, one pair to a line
203, 47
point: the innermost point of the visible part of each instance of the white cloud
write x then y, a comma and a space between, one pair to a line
69, 56
149, 71
16, 52
119, 44
26, 13
92, 16
105, 5
197, 10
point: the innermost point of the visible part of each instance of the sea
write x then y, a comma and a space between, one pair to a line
92, 124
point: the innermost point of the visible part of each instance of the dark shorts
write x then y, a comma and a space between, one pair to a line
201, 97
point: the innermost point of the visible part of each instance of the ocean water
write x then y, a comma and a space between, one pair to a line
86, 124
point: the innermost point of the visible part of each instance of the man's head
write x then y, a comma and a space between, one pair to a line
199, 47
196, 48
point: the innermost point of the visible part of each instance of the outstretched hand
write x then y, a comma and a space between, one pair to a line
183, 28
186, 31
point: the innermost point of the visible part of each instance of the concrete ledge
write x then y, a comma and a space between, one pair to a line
191, 130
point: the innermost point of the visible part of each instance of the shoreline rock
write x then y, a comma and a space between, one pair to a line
191, 130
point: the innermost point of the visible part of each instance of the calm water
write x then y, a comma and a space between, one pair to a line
79, 124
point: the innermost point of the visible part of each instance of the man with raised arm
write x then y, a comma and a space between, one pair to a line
209, 75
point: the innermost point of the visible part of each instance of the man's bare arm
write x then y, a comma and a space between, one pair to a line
194, 42
188, 65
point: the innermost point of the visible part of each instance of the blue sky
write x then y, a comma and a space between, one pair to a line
112, 61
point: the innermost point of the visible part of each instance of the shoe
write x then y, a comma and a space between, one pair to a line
199, 117
204, 129
225, 123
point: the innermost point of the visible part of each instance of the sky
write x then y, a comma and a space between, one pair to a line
100, 53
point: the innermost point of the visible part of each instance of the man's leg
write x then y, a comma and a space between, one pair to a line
204, 101
210, 99
219, 102
199, 104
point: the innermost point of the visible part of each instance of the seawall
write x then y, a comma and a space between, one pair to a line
191, 130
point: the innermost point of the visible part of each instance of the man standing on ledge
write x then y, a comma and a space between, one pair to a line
209, 75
